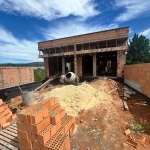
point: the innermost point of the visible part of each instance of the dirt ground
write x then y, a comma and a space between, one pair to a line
102, 127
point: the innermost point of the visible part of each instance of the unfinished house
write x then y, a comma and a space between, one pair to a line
86, 54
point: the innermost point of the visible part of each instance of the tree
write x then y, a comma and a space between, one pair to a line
139, 50
39, 74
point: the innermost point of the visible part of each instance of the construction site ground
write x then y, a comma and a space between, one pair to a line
102, 127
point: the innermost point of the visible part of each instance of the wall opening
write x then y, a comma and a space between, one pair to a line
109, 60
87, 65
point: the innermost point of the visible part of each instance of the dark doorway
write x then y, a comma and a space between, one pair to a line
87, 65
108, 60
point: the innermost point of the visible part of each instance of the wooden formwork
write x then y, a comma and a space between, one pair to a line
9, 138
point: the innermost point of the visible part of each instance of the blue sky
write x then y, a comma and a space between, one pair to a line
23, 23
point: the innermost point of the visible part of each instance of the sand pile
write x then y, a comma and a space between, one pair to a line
75, 98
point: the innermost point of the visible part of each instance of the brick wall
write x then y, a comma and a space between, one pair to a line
138, 77
114, 33
11, 76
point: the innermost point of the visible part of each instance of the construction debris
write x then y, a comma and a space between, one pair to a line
6, 115
45, 126
127, 132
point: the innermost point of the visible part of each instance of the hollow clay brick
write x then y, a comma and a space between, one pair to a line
7, 111
1, 109
23, 134
5, 106
55, 118
2, 114
13, 116
39, 127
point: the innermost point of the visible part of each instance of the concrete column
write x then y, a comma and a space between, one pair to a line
46, 66
63, 65
94, 66
75, 60
120, 62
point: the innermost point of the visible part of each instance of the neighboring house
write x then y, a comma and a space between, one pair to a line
87, 54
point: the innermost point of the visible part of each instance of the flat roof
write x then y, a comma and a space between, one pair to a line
85, 34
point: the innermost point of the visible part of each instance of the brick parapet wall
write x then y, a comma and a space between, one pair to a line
108, 34
12, 76
139, 76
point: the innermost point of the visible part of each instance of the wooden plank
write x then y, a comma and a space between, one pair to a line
12, 127
3, 148
9, 141
125, 105
9, 136
8, 145
10, 133
12, 130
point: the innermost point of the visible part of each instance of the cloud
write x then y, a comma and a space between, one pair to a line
50, 9
71, 28
146, 33
133, 9
13, 49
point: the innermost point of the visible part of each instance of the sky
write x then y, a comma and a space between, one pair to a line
23, 23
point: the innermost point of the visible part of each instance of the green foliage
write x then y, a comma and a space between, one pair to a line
39, 74
136, 125
139, 50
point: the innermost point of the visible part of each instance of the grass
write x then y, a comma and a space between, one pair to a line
136, 125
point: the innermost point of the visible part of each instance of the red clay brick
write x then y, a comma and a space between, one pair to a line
39, 127
33, 137
1, 102
7, 111
26, 143
5, 106
37, 117
23, 134
45, 113
71, 129
2, 120
62, 113
58, 125
13, 116
55, 118
8, 116
2, 114
1, 109
43, 137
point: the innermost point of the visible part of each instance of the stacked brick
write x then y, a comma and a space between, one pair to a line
45, 126
5, 114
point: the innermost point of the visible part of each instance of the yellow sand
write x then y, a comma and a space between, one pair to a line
76, 98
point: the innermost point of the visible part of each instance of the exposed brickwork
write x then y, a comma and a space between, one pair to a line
11, 76
120, 63
46, 64
139, 74
114, 33
79, 66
